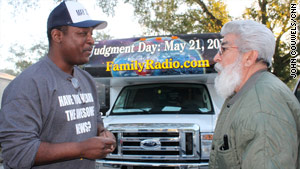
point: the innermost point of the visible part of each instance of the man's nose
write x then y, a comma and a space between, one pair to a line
217, 57
90, 40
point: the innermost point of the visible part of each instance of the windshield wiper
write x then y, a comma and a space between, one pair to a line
145, 111
190, 109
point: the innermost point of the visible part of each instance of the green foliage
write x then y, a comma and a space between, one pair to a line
292, 83
23, 57
175, 16
22, 6
276, 16
108, 6
99, 35
22, 65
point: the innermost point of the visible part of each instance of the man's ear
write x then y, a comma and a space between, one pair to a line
56, 35
250, 58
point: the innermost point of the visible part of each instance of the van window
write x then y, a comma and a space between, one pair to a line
163, 99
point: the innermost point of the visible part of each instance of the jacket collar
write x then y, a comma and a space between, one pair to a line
248, 85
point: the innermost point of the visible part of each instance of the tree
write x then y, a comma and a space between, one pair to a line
25, 5
198, 16
276, 15
23, 57
175, 16
100, 35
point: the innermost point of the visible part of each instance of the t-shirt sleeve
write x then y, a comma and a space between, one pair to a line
20, 125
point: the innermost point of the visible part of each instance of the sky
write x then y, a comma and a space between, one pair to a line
29, 26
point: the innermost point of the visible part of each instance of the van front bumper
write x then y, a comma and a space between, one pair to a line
110, 164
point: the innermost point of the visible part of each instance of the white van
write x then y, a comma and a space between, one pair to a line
160, 100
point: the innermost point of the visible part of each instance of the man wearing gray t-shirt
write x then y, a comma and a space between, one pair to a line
50, 113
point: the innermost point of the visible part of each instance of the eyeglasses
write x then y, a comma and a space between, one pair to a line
222, 50
76, 86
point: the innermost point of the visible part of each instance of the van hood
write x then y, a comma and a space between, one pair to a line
205, 122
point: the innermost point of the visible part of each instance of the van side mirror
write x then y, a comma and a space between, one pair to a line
103, 110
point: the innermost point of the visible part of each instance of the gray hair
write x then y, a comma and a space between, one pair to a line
252, 36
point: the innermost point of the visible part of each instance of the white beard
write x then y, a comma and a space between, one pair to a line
229, 78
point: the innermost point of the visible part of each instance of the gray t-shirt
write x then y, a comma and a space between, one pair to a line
42, 105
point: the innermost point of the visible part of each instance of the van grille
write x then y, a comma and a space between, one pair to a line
156, 141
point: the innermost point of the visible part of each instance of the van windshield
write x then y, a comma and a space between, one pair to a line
183, 98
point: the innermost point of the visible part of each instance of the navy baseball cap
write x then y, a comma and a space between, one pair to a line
70, 13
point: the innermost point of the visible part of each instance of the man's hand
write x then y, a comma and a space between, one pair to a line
107, 134
92, 148
97, 147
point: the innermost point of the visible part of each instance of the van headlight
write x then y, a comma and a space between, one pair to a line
206, 142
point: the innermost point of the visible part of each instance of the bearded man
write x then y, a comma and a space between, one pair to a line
259, 124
